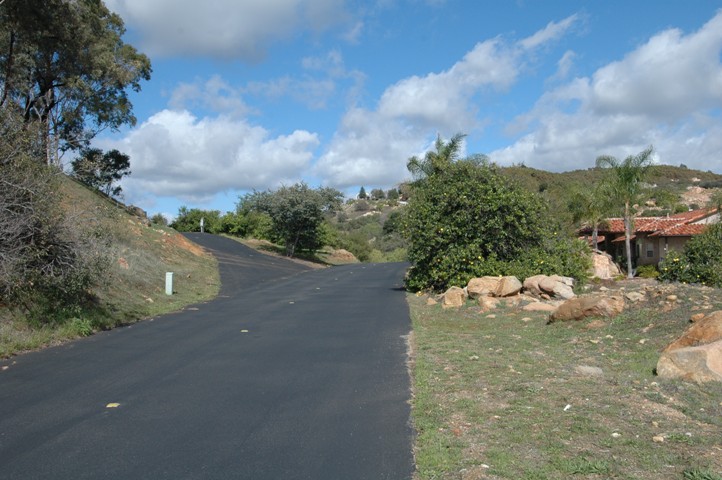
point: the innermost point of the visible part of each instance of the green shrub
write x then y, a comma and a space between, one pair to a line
647, 271
699, 262
469, 221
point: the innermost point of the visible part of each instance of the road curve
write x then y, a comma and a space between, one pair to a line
290, 374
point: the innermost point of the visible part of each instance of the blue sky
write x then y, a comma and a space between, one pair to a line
252, 94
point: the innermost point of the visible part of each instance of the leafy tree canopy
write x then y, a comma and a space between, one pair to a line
64, 63
468, 220
101, 170
296, 212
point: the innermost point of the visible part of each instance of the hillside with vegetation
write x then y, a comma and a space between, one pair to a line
126, 282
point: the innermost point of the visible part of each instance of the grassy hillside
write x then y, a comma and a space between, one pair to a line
677, 179
138, 254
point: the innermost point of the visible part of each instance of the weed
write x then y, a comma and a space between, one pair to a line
697, 474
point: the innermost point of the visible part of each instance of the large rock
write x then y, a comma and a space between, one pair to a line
588, 306
453, 297
603, 266
482, 287
553, 286
507, 287
488, 303
531, 284
704, 331
564, 291
697, 364
539, 307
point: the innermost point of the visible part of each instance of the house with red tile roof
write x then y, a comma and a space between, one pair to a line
653, 237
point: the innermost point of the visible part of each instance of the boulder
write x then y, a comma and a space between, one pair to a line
488, 303
553, 286
547, 284
635, 297
564, 291
702, 363
704, 331
603, 266
482, 287
453, 297
539, 307
507, 287
588, 306
531, 284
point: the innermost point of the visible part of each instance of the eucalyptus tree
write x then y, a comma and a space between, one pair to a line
102, 170
437, 160
625, 187
63, 63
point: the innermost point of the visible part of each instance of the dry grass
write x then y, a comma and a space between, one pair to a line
504, 397
134, 289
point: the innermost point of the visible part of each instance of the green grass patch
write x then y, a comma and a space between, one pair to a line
503, 397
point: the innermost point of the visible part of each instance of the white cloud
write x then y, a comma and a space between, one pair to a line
372, 147
667, 92
564, 65
442, 100
224, 28
213, 94
323, 77
179, 155
553, 31
368, 149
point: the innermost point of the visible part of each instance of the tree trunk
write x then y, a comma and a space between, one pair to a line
595, 237
8, 70
628, 239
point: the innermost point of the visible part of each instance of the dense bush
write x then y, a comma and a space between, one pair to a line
469, 221
189, 220
647, 271
47, 262
699, 262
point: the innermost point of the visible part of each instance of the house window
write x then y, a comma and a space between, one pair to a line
650, 250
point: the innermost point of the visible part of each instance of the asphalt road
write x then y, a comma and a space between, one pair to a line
290, 374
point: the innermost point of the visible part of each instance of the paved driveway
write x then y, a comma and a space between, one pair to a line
290, 374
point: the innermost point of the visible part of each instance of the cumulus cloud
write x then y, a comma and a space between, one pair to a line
324, 76
237, 29
667, 92
176, 154
372, 146
214, 94
368, 149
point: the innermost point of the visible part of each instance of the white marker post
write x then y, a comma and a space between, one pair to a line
202, 223
169, 283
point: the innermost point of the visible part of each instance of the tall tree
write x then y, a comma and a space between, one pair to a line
102, 170
437, 160
63, 63
625, 184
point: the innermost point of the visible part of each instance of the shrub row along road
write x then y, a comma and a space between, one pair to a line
290, 374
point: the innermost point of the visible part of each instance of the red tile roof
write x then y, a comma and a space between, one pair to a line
679, 225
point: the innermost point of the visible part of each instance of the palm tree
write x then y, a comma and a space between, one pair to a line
625, 183
435, 162
591, 206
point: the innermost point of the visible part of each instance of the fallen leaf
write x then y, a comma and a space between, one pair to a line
112, 405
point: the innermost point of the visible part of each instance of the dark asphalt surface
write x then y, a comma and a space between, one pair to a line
317, 388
